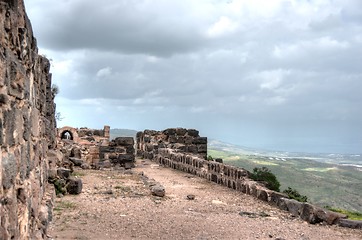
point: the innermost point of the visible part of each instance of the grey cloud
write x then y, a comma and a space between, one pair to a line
266, 78
123, 26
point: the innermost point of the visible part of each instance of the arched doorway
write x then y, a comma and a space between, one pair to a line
67, 135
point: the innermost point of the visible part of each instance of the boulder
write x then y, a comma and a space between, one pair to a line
76, 161
158, 190
63, 173
74, 186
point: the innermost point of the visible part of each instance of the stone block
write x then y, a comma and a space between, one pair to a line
63, 173
308, 214
169, 131
202, 148
282, 204
129, 165
124, 141
74, 185
294, 207
126, 158
275, 197
219, 160
158, 190
350, 223
76, 161
200, 140
329, 217
192, 132
262, 194
9, 170
181, 131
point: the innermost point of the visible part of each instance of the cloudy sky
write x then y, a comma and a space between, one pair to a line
271, 74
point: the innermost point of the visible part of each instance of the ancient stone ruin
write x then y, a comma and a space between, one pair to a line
35, 156
92, 148
188, 156
27, 128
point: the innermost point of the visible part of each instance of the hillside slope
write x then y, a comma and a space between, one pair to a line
325, 180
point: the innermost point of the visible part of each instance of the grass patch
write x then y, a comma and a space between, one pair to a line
123, 188
78, 174
351, 215
260, 162
64, 205
319, 169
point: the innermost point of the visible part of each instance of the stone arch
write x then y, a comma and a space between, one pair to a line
68, 133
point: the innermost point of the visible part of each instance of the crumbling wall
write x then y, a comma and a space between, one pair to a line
180, 139
27, 128
120, 152
156, 146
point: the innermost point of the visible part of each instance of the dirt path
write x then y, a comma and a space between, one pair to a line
117, 205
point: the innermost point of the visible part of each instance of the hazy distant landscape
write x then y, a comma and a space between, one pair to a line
326, 179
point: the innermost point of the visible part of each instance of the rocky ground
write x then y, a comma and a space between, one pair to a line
118, 204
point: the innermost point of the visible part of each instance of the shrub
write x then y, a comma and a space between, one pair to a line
210, 158
267, 177
351, 214
294, 194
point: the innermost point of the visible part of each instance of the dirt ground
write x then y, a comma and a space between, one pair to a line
116, 204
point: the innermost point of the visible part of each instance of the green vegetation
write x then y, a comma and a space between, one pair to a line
61, 205
78, 174
351, 215
323, 183
123, 188
263, 174
294, 194
59, 186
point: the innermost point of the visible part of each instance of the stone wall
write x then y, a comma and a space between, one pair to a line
180, 139
150, 145
27, 128
120, 152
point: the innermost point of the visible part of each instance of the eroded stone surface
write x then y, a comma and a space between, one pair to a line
27, 128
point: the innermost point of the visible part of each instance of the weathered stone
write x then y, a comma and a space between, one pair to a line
200, 140
124, 141
169, 131
276, 196
193, 132
191, 197
158, 190
74, 185
308, 214
329, 217
219, 160
129, 165
76, 161
350, 223
262, 194
294, 207
126, 158
63, 173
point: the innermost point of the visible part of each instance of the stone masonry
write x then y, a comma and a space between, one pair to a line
157, 147
179, 139
27, 128
86, 148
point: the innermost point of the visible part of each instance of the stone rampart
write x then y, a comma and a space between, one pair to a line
150, 145
180, 139
27, 128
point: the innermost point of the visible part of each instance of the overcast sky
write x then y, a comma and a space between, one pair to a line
271, 74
